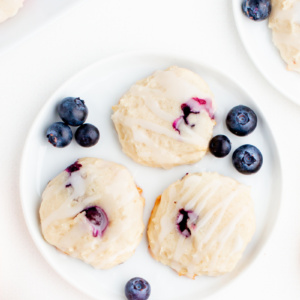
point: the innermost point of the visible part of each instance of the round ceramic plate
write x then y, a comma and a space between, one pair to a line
101, 85
257, 39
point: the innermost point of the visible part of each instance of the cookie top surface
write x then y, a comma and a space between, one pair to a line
285, 24
90, 206
9, 8
166, 119
201, 224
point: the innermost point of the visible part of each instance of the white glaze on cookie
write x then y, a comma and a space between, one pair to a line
224, 225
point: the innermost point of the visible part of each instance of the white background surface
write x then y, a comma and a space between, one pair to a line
203, 29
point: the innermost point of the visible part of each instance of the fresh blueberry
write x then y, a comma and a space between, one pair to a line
72, 111
257, 10
98, 219
87, 135
59, 134
247, 159
137, 289
220, 145
241, 120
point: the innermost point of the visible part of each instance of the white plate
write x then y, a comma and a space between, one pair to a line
257, 39
101, 86
31, 17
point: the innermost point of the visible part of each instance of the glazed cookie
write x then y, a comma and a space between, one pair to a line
93, 211
166, 119
201, 224
285, 24
9, 8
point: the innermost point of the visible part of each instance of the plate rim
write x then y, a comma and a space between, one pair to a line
278, 88
160, 54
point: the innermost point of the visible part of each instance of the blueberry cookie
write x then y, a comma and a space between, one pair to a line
201, 224
285, 24
9, 8
166, 119
93, 211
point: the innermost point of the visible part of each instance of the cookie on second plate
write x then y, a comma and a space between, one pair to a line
201, 224
9, 8
166, 119
93, 211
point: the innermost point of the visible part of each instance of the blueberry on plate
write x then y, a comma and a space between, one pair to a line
241, 120
59, 134
87, 135
257, 10
137, 289
247, 159
72, 111
220, 145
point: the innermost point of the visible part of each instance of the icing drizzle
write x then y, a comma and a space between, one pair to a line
169, 86
205, 220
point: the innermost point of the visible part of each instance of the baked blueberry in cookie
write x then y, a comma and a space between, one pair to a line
98, 219
257, 10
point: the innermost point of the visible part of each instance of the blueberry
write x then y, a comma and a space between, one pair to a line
59, 134
72, 111
241, 120
257, 10
97, 218
185, 221
220, 145
137, 289
87, 135
247, 159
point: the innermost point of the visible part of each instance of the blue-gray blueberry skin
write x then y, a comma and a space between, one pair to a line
241, 120
247, 159
59, 134
220, 145
72, 111
87, 135
137, 289
257, 10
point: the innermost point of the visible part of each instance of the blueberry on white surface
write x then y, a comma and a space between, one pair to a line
72, 111
98, 219
87, 135
257, 10
247, 159
137, 289
220, 145
59, 134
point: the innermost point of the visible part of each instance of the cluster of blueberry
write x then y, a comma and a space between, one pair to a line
73, 112
257, 10
247, 159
